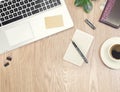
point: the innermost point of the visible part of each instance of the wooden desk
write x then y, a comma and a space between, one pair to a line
39, 66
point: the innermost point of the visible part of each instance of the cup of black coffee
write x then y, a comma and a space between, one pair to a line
114, 52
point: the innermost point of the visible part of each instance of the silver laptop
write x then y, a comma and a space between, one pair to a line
23, 21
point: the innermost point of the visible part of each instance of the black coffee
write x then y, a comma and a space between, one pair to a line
116, 54
115, 51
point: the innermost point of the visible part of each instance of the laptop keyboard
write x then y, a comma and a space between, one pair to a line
13, 10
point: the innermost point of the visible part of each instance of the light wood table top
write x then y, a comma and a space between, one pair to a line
39, 66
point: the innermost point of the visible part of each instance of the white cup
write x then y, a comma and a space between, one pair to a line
114, 52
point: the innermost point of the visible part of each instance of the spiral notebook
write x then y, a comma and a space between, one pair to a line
111, 13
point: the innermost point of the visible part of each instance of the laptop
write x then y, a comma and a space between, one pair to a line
23, 21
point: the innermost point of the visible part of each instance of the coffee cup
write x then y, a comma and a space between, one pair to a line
114, 52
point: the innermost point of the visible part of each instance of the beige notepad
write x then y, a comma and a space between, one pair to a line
84, 41
54, 21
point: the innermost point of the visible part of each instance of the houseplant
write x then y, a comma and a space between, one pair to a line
86, 4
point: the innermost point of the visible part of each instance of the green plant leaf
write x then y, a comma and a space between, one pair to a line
87, 6
79, 2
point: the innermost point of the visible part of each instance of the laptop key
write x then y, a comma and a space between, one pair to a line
6, 17
14, 14
6, 12
29, 13
10, 16
21, 3
32, 8
28, 5
27, 9
11, 11
37, 6
5, 4
12, 20
19, 8
38, 1
24, 15
48, 6
35, 11
52, 5
4, 9
13, 6
2, 19
1, 6
44, 8
43, 4
9, 3
19, 13
0, 10
3, 14
14, 1
23, 11
32, 3
41, 9
8, 7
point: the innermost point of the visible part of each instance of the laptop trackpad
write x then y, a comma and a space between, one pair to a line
19, 34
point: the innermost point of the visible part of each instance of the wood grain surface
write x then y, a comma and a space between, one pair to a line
39, 66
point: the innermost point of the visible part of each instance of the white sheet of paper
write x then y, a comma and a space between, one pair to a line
83, 41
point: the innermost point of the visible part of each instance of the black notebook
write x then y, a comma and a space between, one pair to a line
111, 13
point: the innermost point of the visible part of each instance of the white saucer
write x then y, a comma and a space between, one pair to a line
104, 53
